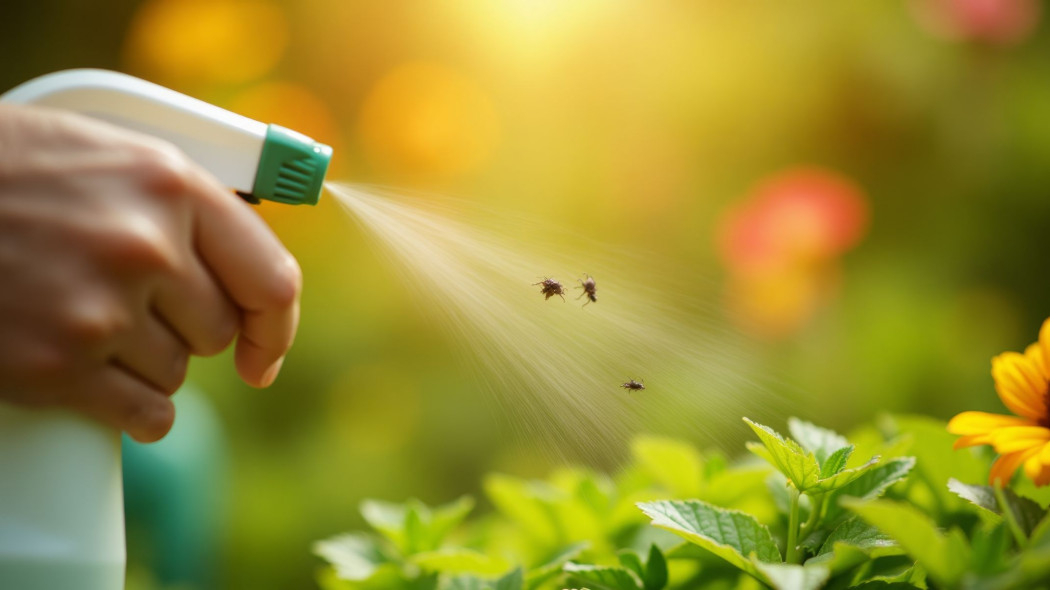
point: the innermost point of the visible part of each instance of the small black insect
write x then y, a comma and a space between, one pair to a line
633, 385
551, 287
589, 289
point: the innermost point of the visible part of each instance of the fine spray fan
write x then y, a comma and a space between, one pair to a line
61, 494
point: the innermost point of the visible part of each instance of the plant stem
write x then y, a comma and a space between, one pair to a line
1008, 515
816, 505
792, 554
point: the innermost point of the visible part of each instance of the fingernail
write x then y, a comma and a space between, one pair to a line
271, 374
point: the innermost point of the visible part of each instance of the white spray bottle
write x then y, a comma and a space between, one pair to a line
61, 495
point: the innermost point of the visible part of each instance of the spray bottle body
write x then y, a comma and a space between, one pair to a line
61, 494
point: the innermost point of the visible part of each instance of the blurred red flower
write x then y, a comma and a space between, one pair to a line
1000, 22
781, 245
801, 215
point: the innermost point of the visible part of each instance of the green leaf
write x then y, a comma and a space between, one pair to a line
413, 526
835, 462
788, 576
385, 577
354, 556
655, 577
464, 583
787, 456
870, 485
990, 549
514, 580
387, 518
1027, 513
842, 478
630, 560
943, 555
676, 466
553, 566
526, 504
823, 443
852, 543
445, 518
734, 536
600, 577
857, 533
459, 561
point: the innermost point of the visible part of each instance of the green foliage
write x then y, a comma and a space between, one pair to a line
826, 512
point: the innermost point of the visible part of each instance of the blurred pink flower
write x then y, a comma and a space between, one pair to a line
1000, 22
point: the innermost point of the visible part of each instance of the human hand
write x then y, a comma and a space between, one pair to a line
119, 258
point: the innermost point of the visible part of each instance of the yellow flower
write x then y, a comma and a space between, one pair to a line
1023, 384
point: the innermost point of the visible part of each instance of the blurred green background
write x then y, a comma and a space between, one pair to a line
655, 126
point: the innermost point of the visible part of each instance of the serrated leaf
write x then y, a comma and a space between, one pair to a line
798, 465
835, 462
943, 555
822, 442
734, 536
553, 566
600, 577
788, 576
842, 478
857, 533
675, 465
1026, 512
870, 484
656, 575
354, 556
459, 561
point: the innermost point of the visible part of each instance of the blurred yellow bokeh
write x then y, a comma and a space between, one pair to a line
427, 119
200, 42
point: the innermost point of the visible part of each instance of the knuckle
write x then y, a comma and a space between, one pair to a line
286, 284
141, 243
93, 323
164, 168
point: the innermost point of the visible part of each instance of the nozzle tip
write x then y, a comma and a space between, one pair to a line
292, 167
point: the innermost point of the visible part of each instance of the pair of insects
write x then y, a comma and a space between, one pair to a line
550, 287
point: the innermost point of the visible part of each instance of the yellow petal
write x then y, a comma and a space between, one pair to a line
972, 440
1010, 371
1018, 438
1044, 344
1005, 466
1033, 467
1035, 355
983, 422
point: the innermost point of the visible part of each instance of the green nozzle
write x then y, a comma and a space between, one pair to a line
291, 168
